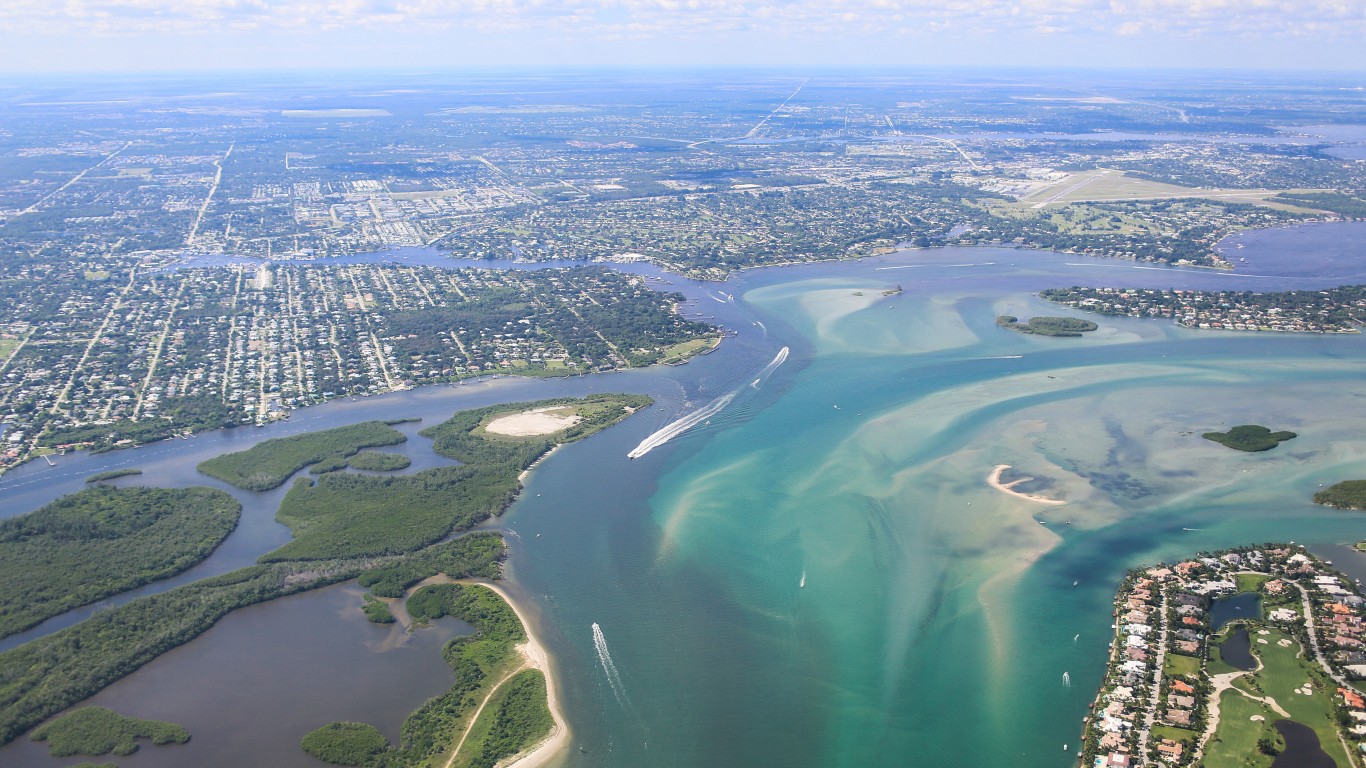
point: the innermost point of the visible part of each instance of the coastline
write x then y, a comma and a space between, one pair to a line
994, 480
557, 741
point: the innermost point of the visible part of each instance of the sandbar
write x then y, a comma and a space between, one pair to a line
531, 423
994, 480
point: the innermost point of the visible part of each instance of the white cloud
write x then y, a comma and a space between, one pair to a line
671, 20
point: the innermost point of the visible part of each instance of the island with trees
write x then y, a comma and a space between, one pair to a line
1337, 310
101, 541
95, 731
1250, 437
1047, 326
268, 464
113, 474
1348, 494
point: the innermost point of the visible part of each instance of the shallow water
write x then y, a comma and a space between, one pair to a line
938, 615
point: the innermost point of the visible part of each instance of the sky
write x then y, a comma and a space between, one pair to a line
184, 35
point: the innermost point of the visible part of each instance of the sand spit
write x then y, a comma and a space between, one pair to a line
557, 741
994, 480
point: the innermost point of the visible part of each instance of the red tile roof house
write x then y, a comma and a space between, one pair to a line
1352, 699
1181, 686
1170, 749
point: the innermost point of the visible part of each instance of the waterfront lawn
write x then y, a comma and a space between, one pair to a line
684, 350
268, 464
1175, 734
1234, 744
1176, 664
1282, 673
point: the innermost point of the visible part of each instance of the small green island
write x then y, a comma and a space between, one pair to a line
1047, 326
1250, 437
268, 464
379, 461
113, 474
1348, 494
95, 731
101, 541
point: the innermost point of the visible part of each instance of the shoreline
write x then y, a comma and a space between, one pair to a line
994, 480
537, 657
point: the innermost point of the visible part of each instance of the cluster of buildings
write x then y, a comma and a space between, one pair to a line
196, 348
1340, 310
1153, 707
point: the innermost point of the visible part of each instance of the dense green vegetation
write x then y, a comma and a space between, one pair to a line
1047, 326
520, 719
476, 554
1333, 202
1250, 437
112, 474
345, 743
102, 541
351, 515
268, 464
1348, 494
377, 612
47, 675
98, 731
379, 461
517, 714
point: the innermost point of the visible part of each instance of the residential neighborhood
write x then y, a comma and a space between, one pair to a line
1232, 658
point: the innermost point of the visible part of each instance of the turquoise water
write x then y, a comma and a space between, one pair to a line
938, 615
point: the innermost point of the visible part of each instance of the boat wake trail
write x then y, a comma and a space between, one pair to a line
675, 428
778, 360
608, 667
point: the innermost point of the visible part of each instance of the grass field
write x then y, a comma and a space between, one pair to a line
1175, 734
680, 352
1282, 675
1176, 664
1109, 185
1234, 744
7, 347
1250, 582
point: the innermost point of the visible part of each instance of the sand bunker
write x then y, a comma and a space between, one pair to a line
540, 421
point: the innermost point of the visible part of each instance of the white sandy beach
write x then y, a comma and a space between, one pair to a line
557, 741
531, 423
994, 480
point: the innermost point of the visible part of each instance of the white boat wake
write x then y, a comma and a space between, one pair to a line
675, 428
608, 667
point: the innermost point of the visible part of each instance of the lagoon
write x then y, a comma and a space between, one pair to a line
937, 615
